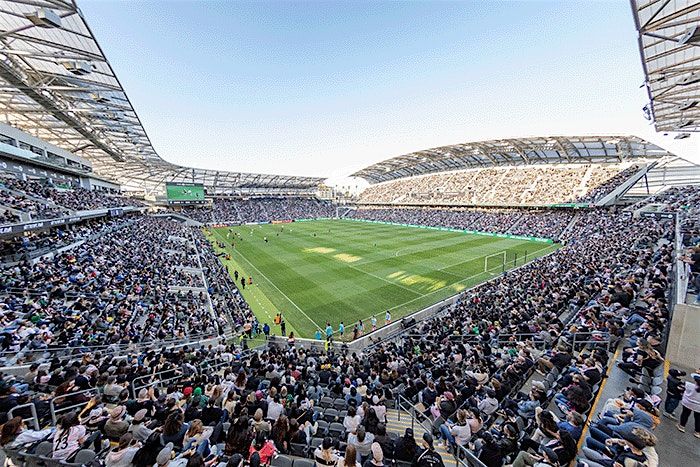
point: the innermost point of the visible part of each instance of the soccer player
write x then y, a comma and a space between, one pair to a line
374, 323
243, 282
250, 282
235, 275
265, 238
318, 334
387, 317
329, 329
341, 329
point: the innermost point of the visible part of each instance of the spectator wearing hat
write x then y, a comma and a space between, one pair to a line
116, 425
139, 429
428, 457
376, 458
691, 404
96, 419
259, 424
165, 455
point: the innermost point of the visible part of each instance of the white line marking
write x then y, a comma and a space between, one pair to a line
382, 279
273, 285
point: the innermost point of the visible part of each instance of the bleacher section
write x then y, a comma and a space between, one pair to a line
244, 210
91, 315
505, 186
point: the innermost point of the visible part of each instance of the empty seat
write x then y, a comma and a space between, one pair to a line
304, 463
322, 427
336, 430
330, 415
339, 404
84, 457
281, 461
326, 402
298, 449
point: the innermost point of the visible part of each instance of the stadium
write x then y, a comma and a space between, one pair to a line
499, 301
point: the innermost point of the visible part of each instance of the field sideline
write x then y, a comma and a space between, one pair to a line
344, 270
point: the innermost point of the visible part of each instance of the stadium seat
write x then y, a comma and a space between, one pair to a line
336, 429
339, 404
322, 426
304, 463
330, 415
281, 461
84, 457
298, 449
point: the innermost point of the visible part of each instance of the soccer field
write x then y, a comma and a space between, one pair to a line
346, 270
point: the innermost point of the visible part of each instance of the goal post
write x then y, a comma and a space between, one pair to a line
495, 261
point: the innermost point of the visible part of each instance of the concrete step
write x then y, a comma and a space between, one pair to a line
398, 424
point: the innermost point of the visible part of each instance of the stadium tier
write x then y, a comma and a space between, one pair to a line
505, 186
514, 302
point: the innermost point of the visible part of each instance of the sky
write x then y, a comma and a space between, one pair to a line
324, 88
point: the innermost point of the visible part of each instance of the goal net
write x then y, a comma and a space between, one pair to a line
495, 262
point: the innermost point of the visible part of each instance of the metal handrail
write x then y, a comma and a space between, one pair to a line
469, 459
118, 347
52, 403
462, 456
34, 418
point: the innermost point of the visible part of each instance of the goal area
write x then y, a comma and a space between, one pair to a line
495, 262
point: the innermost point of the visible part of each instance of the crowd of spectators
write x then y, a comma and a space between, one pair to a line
604, 184
134, 283
548, 223
461, 370
55, 202
530, 185
33, 243
20, 203
225, 210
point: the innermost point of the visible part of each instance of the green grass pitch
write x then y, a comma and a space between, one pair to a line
345, 270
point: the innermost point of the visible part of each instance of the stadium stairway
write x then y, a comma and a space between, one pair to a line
570, 225
398, 425
625, 186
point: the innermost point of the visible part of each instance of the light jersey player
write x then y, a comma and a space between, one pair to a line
387, 317
374, 323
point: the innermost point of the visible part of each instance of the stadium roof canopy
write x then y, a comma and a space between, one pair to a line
669, 43
521, 151
57, 84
